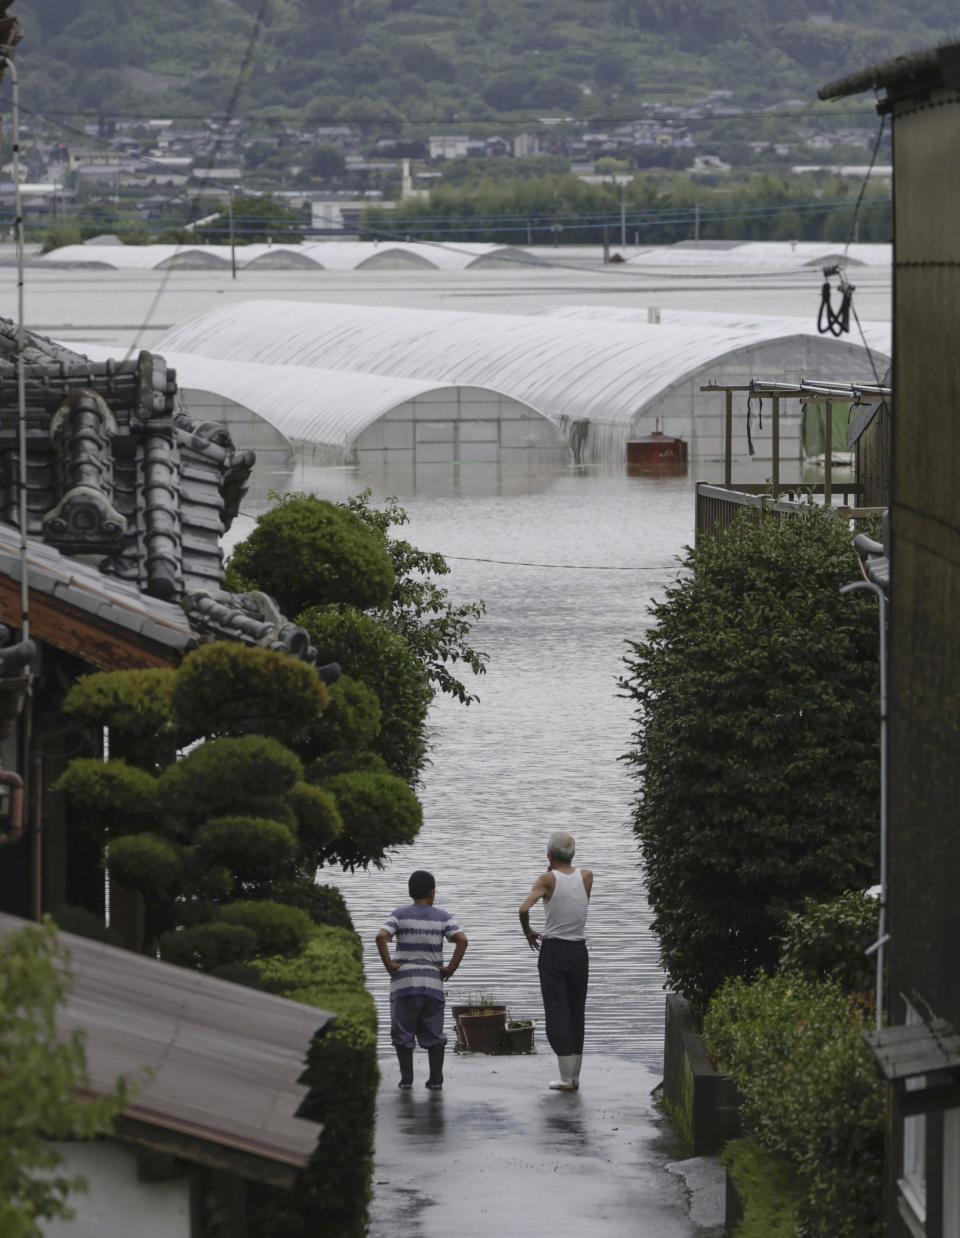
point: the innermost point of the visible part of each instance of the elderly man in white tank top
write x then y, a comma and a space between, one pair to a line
563, 963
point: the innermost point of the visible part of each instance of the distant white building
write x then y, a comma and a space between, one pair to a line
448, 145
525, 145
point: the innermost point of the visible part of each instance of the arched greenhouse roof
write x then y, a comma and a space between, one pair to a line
878, 334
325, 255
760, 255
604, 370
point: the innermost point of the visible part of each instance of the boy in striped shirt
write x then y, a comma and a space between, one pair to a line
417, 974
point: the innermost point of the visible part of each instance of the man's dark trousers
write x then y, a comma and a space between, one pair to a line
564, 969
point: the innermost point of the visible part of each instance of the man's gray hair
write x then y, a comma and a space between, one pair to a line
561, 847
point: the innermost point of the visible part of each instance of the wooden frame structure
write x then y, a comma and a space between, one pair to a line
717, 503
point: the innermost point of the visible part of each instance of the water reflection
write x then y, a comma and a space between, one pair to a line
540, 750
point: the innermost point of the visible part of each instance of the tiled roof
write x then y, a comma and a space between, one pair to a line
128, 497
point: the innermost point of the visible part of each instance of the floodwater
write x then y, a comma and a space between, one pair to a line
567, 564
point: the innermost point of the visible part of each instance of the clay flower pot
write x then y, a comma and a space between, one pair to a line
484, 1032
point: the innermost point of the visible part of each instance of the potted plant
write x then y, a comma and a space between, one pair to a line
518, 1036
483, 1024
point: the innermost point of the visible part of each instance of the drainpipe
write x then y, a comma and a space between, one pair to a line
15, 783
36, 837
882, 935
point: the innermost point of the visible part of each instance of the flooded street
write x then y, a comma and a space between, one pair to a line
539, 751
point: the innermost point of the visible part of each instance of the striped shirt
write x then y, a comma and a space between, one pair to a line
420, 930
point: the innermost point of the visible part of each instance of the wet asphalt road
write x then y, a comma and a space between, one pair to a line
497, 1153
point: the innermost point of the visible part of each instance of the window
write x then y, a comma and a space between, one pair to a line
951, 1171
913, 1181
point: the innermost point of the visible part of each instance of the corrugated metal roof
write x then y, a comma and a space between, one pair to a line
601, 371
216, 1061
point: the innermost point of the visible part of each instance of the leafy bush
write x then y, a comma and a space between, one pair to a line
793, 1046
109, 796
309, 552
332, 1198
756, 748
226, 688
227, 775
146, 863
42, 1080
350, 723
208, 947
826, 941
135, 705
278, 929
318, 820
379, 811
380, 658
323, 904
83, 923
251, 847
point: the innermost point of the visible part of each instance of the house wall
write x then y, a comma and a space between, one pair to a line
924, 663
117, 1204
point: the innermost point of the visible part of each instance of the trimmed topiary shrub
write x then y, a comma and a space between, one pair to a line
209, 947
350, 723
147, 863
756, 750
379, 811
135, 704
278, 929
308, 552
252, 848
323, 904
332, 1197
227, 775
369, 651
83, 923
109, 797
318, 820
226, 688
810, 1092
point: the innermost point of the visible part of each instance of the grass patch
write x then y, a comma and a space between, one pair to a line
768, 1190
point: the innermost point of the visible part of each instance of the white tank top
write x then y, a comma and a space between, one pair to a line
566, 909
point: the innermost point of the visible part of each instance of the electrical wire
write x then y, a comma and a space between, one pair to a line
231, 108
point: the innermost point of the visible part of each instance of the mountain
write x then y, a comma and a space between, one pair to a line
446, 62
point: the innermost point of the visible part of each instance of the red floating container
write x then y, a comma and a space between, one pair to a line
657, 453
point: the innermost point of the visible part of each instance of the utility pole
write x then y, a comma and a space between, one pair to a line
233, 248
696, 225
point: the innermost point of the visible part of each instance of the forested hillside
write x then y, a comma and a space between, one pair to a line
446, 61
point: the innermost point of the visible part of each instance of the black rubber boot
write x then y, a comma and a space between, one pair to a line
405, 1058
435, 1058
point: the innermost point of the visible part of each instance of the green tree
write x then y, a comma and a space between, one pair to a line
756, 746
40, 1074
254, 219
372, 603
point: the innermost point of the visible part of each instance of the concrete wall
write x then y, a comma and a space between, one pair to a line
117, 1204
462, 425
